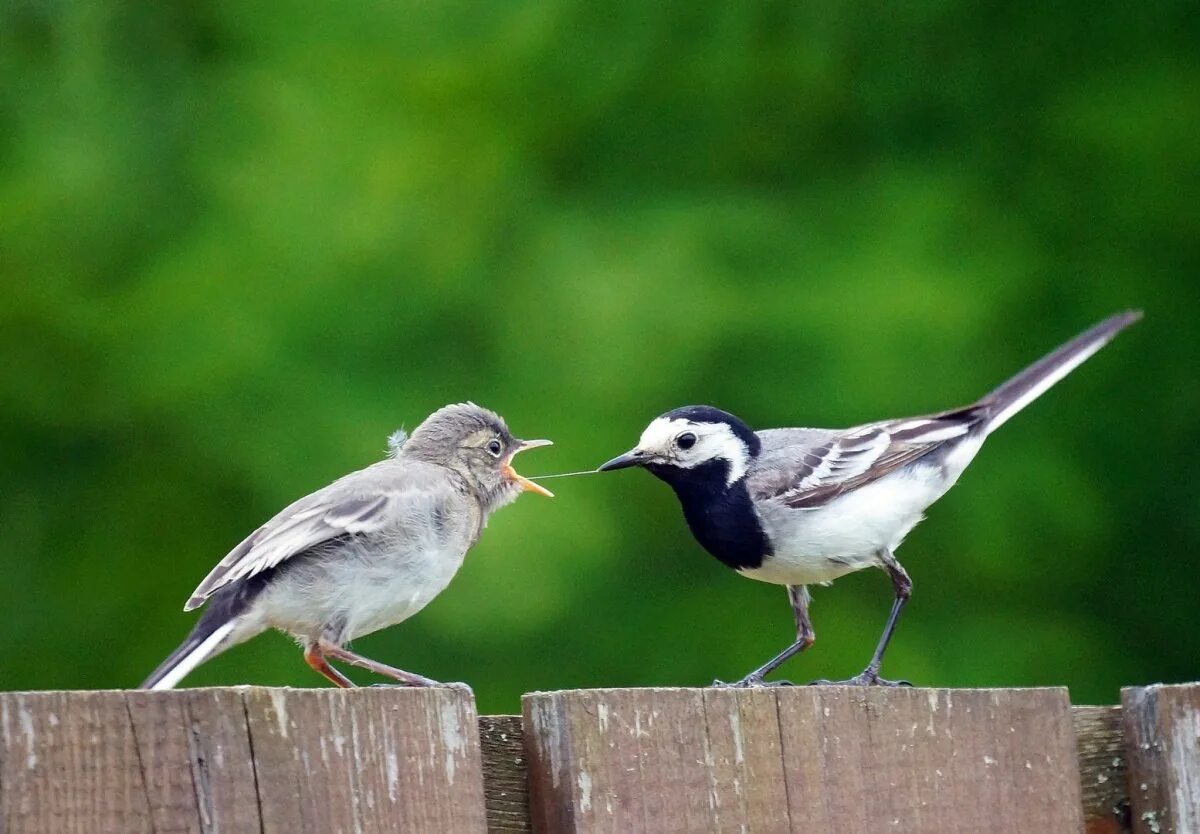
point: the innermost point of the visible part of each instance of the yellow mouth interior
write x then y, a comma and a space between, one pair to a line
525, 483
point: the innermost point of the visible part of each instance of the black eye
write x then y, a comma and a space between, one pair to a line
495, 448
686, 440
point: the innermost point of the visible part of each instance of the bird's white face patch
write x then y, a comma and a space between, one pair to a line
713, 441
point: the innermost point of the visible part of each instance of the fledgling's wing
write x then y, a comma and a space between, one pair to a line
373, 500
807, 468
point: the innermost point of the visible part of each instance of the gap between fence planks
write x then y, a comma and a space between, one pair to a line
1100, 741
255, 759
505, 774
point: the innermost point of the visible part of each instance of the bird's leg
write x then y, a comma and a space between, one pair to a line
903, 588
315, 658
799, 597
335, 651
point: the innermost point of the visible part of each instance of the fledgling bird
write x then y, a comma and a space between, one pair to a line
801, 506
364, 553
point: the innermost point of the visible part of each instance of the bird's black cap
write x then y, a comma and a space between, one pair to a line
709, 414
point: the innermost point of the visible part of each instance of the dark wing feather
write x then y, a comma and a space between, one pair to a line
819, 467
304, 525
823, 493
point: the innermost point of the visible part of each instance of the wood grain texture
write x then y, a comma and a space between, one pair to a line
805, 759
1162, 736
505, 775
1100, 740
386, 760
813, 759
69, 765
273, 761
194, 753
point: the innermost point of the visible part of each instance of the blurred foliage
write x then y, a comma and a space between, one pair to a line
240, 243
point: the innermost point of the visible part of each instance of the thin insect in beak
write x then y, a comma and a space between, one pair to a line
565, 474
525, 483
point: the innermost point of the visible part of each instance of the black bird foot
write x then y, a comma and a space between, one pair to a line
750, 682
868, 677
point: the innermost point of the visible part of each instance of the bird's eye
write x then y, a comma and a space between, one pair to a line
686, 440
494, 447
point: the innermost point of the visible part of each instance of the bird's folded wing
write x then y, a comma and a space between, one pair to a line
816, 467
304, 525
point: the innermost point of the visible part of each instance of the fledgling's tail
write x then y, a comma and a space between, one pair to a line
1031, 383
204, 641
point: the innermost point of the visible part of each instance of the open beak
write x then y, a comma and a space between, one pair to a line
525, 483
635, 457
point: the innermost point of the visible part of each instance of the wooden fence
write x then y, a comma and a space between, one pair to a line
805, 759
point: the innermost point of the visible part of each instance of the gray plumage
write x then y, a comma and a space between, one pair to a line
366, 552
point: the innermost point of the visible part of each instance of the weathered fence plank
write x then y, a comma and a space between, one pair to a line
275, 761
746, 772
195, 757
69, 765
260, 760
1162, 738
803, 759
1100, 740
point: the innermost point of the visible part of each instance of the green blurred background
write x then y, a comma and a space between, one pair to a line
241, 243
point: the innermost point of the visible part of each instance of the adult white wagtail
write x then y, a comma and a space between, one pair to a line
802, 506
364, 553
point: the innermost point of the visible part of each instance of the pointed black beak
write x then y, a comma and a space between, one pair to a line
633, 458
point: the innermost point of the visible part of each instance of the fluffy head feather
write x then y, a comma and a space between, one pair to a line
395, 442
472, 441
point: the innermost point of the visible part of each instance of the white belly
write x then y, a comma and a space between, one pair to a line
354, 593
820, 544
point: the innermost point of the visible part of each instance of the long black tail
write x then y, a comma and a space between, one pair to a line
1031, 383
214, 630
205, 640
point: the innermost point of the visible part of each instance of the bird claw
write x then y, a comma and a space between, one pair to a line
457, 686
866, 678
750, 682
